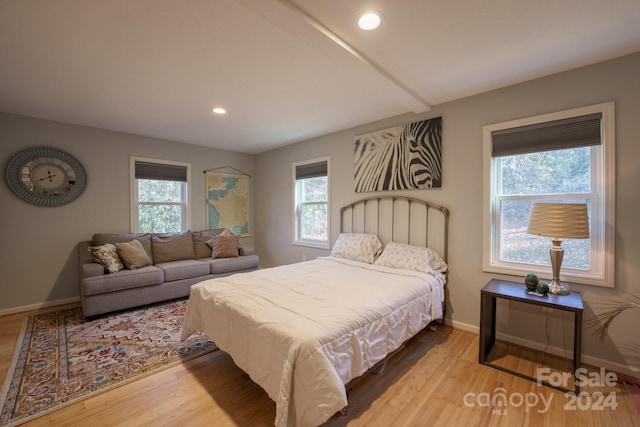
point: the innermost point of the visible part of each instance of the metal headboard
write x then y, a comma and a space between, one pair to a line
399, 219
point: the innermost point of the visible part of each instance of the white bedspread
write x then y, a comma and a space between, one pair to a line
302, 331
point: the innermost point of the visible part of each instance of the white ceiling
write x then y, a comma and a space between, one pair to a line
285, 70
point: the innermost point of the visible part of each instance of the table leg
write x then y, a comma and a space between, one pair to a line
487, 325
577, 346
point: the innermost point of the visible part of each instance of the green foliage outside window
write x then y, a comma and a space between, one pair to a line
313, 208
526, 177
159, 206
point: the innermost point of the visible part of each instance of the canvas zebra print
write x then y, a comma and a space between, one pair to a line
407, 157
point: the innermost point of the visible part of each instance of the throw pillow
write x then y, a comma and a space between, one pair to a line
144, 238
201, 241
224, 246
107, 255
133, 254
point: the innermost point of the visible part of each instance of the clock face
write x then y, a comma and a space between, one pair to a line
46, 176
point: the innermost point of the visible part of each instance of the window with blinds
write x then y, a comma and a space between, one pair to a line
159, 196
311, 203
564, 157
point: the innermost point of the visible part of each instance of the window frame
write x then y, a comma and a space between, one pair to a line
602, 221
134, 202
320, 244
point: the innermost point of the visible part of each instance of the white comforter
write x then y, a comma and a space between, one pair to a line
302, 331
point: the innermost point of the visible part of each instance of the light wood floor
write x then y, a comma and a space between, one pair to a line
434, 381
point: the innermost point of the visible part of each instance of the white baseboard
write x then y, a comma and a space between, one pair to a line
38, 306
556, 351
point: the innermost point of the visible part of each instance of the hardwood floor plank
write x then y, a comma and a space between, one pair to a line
434, 381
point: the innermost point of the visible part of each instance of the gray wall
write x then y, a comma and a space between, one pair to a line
461, 192
38, 255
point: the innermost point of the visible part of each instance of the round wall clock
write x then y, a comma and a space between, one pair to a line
46, 176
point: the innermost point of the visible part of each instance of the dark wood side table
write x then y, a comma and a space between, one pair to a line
495, 289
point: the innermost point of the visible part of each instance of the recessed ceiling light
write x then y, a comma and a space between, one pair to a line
219, 110
369, 21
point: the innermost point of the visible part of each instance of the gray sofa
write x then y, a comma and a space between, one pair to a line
178, 261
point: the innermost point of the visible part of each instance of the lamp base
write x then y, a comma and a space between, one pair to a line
556, 253
556, 288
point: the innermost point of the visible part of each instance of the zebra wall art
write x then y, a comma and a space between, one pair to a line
407, 157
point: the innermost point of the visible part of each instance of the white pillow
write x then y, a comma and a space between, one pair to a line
357, 247
408, 257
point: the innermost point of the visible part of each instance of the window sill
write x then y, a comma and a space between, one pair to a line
312, 244
567, 277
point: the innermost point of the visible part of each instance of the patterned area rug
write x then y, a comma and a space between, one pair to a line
60, 358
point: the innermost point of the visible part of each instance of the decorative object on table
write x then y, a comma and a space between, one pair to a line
227, 200
542, 288
61, 358
559, 221
531, 281
406, 157
46, 176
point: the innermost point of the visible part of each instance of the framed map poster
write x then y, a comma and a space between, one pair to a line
227, 201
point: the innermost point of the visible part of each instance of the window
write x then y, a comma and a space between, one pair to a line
311, 203
564, 157
159, 191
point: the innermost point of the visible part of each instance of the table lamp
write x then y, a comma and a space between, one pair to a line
559, 221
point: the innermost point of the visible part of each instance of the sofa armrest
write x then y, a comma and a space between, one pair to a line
88, 265
91, 269
246, 250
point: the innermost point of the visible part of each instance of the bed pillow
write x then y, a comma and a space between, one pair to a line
357, 247
133, 254
408, 257
224, 246
108, 256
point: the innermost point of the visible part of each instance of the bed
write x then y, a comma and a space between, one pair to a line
304, 331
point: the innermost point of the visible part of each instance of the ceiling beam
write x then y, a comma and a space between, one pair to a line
289, 17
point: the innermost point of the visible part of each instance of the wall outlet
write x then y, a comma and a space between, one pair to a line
304, 257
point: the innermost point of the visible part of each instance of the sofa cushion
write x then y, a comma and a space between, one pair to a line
184, 269
172, 247
200, 246
224, 246
125, 279
108, 256
229, 265
209, 232
113, 238
200, 239
133, 254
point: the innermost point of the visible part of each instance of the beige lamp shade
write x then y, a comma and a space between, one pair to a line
560, 220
